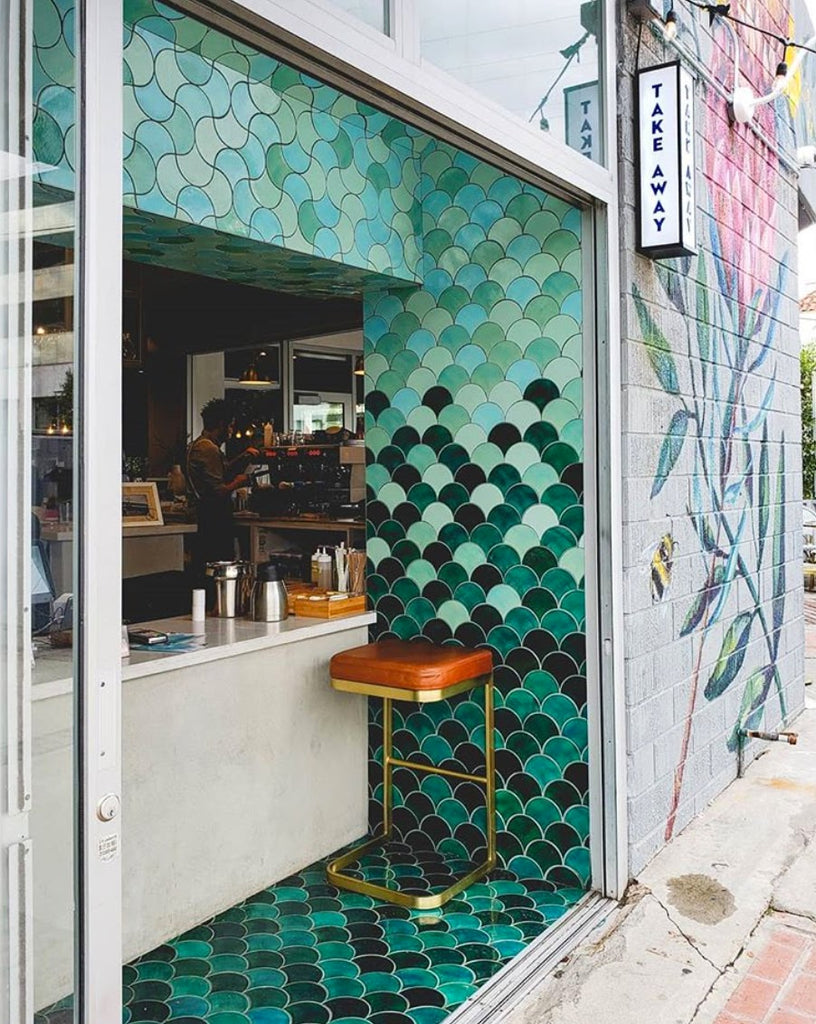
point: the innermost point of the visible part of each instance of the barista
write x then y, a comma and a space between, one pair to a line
211, 480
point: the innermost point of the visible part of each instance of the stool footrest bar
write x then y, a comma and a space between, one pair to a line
433, 770
336, 876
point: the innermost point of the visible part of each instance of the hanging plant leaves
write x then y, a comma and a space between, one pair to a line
657, 347
770, 335
705, 534
732, 492
670, 449
731, 657
764, 500
702, 601
762, 415
778, 603
703, 319
670, 280
729, 570
749, 471
753, 703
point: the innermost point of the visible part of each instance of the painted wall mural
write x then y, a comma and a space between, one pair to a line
721, 436
475, 438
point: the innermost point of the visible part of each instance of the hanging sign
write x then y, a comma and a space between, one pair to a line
582, 116
665, 125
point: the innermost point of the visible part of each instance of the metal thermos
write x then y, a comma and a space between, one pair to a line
225, 575
269, 598
245, 590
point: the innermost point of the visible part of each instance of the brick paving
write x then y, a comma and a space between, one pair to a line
780, 987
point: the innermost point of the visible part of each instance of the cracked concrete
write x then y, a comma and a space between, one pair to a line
673, 955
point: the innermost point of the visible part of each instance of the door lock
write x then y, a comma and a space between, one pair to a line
108, 807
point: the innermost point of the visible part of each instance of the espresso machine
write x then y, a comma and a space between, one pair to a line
315, 480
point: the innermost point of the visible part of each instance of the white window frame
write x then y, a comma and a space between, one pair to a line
98, 553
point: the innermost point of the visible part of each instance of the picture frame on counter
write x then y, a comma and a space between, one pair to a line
140, 505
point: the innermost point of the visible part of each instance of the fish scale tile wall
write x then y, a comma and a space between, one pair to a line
474, 386
474, 432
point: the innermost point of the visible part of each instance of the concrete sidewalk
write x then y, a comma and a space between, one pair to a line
721, 926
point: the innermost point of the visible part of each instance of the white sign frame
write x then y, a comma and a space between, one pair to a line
665, 146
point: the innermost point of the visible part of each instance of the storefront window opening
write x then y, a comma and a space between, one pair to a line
448, 401
538, 61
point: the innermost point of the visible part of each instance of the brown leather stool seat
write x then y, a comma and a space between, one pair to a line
419, 672
427, 672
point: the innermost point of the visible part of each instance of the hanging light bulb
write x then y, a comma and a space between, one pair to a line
251, 376
51, 428
781, 78
65, 429
670, 26
359, 367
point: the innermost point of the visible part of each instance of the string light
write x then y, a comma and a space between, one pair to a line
724, 11
644, 11
744, 102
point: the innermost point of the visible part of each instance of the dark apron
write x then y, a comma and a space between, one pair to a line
215, 537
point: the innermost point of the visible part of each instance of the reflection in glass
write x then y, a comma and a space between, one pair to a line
372, 12
38, 414
537, 60
306, 419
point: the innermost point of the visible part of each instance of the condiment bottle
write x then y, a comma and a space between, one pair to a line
315, 566
268, 435
324, 570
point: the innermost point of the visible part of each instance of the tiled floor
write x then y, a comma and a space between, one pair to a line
303, 952
780, 987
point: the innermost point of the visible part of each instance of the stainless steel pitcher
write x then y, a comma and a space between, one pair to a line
225, 575
270, 602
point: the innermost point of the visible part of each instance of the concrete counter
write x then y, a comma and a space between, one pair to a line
240, 766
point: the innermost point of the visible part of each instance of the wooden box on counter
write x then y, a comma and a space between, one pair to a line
319, 604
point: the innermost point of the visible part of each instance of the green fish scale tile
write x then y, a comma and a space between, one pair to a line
458, 947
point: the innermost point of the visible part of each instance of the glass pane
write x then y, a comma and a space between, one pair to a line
537, 60
37, 416
372, 12
309, 418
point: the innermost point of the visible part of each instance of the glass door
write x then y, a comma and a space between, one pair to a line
60, 294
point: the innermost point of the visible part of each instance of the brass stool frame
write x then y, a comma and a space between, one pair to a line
334, 870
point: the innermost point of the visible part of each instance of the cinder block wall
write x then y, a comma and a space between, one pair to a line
711, 449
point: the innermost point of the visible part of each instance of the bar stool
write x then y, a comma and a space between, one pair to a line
406, 671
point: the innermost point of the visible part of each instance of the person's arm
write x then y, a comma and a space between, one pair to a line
208, 466
242, 459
